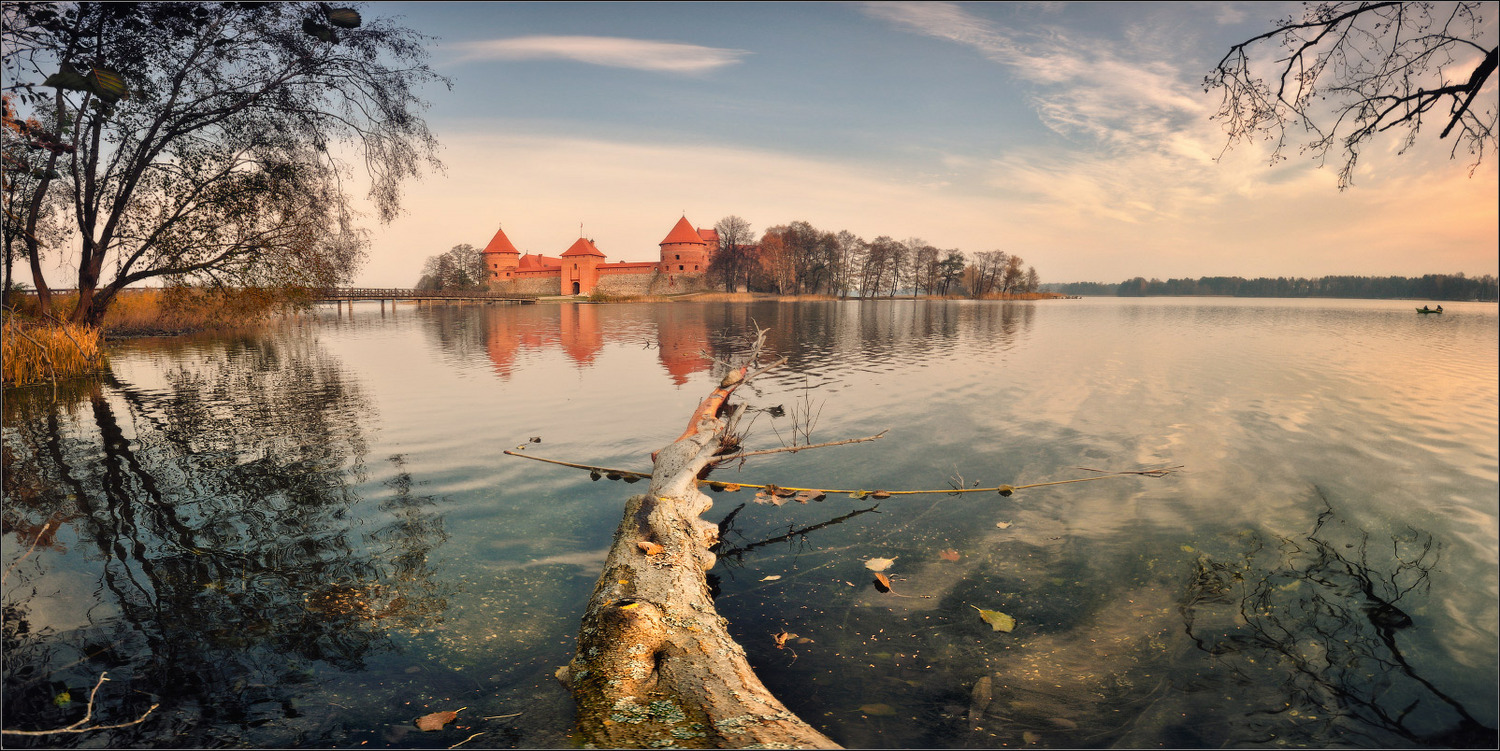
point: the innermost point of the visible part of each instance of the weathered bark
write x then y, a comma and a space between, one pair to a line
656, 665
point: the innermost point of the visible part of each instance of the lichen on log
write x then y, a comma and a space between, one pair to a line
655, 664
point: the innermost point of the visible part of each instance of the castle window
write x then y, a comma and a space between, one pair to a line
679, 256
679, 268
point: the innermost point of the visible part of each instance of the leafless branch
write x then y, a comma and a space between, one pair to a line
78, 727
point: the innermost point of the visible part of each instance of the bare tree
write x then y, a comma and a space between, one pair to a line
846, 254
1353, 70
1012, 276
201, 142
461, 268
733, 257
984, 275
950, 270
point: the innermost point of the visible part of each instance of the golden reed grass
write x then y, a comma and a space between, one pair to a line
40, 351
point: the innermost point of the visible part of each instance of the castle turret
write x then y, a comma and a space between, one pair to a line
500, 257
580, 272
684, 251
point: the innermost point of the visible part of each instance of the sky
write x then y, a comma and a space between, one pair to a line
1077, 136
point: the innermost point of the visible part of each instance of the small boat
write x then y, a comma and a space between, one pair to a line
1425, 310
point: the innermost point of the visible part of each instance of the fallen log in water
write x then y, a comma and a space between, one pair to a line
655, 664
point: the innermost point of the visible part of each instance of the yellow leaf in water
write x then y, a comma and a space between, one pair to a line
1003, 525
882, 582
771, 578
996, 619
436, 720
879, 564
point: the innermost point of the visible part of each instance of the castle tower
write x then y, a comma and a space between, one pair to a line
580, 272
684, 251
500, 258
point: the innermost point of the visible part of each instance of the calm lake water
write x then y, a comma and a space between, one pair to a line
311, 537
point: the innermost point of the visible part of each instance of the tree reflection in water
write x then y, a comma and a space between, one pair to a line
1322, 616
205, 548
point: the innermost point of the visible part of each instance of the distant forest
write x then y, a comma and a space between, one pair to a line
1430, 287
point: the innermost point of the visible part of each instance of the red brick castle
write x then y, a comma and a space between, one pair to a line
581, 269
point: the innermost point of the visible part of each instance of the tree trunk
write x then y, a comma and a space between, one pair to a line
655, 664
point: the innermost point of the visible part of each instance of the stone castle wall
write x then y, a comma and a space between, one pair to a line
529, 284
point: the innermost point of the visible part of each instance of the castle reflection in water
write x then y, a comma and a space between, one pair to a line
680, 337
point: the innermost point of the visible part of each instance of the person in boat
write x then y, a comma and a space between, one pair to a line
1439, 308
1426, 309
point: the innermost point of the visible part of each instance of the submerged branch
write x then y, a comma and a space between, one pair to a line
732, 486
77, 727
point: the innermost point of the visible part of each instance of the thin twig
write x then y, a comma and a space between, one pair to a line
17, 562
88, 714
470, 738
795, 449
1159, 472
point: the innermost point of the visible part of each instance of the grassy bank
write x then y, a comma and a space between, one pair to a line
38, 349
171, 311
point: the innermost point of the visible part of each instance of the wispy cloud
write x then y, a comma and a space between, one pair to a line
1122, 100
615, 52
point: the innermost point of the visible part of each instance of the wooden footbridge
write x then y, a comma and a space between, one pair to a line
351, 294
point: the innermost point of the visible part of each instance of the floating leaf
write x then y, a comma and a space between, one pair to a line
536, 439
436, 720
1003, 525
63, 699
594, 475
948, 555
809, 495
612, 475
1006, 490
781, 637
879, 564
882, 582
632, 478
880, 495
997, 619
650, 548
771, 578
783, 492
878, 709
730, 487
344, 18
860, 495
768, 497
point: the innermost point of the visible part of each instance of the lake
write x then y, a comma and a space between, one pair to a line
312, 536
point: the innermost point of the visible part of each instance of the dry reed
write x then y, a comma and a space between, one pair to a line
40, 351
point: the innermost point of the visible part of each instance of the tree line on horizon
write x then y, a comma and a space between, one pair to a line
799, 259
1458, 286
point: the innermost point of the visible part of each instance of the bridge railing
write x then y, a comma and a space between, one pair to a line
389, 293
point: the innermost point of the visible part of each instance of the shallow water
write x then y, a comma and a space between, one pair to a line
311, 537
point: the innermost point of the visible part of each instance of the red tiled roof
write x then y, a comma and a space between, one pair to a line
539, 261
710, 236
500, 244
683, 233
582, 248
